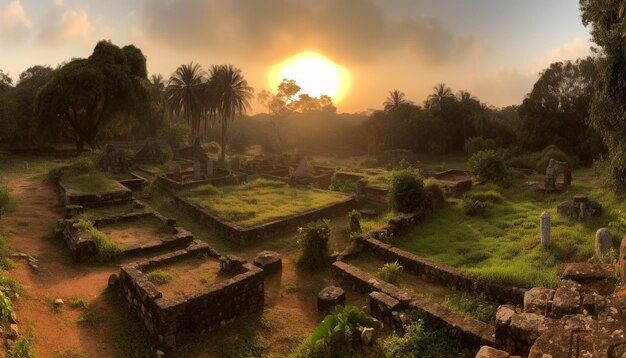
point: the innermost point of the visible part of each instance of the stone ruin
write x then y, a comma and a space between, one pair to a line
579, 208
195, 152
303, 170
578, 319
150, 153
552, 172
113, 160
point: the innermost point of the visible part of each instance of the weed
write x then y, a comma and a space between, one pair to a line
158, 277
390, 271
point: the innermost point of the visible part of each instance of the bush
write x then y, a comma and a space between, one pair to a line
490, 166
406, 193
333, 336
476, 144
434, 194
158, 277
344, 186
390, 271
491, 196
313, 242
5, 194
83, 164
108, 250
552, 152
21, 349
175, 134
474, 207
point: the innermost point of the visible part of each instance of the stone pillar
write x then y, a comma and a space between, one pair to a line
604, 242
178, 173
329, 297
209, 168
197, 171
545, 229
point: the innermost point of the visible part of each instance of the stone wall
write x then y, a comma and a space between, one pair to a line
170, 320
137, 183
222, 177
473, 332
95, 199
242, 235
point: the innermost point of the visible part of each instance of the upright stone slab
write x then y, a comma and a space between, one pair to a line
178, 176
303, 170
209, 168
604, 242
197, 171
545, 229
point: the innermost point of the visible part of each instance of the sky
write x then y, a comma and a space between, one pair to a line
493, 48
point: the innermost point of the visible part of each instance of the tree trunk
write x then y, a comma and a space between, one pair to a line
223, 141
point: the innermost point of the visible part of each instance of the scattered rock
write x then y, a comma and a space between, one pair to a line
488, 352
579, 208
14, 331
58, 302
586, 272
367, 335
329, 297
368, 213
33, 266
268, 261
160, 354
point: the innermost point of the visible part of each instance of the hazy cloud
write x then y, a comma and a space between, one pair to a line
505, 86
347, 30
14, 24
63, 27
573, 50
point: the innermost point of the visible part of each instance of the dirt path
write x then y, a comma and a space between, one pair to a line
28, 230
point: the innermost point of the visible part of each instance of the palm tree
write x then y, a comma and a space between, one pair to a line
231, 97
184, 94
394, 101
440, 94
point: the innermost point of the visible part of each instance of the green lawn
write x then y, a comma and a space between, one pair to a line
504, 244
259, 201
89, 181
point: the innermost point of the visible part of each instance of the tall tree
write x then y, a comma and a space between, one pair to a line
232, 97
441, 94
394, 101
105, 91
608, 107
185, 91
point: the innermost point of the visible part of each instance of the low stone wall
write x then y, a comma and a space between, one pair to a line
433, 271
243, 235
224, 177
376, 194
83, 248
93, 200
474, 333
170, 320
137, 183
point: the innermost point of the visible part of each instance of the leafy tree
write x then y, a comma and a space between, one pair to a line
186, 95
556, 110
7, 122
608, 106
23, 99
231, 97
440, 97
394, 101
103, 92
406, 193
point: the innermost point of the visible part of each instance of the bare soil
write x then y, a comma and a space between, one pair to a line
142, 232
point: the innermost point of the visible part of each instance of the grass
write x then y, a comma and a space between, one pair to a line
107, 249
503, 246
472, 305
89, 181
158, 277
106, 211
247, 344
21, 349
259, 201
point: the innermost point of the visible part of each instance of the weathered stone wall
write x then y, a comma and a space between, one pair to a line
245, 235
170, 320
473, 332
222, 177
93, 200
137, 183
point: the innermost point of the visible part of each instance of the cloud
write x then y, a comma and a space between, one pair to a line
504, 87
573, 50
14, 24
67, 27
346, 30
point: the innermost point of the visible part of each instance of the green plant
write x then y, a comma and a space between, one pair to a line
5, 194
21, 349
6, 310
333, 336
107, 249
476, 144
619, 224
434, 194
213, 147
472, 305
77, 303
490, 166
406, 193
83, 163
390, 271
552, 152
313, 241
175, 134
158, 277
491, 196
341, 185
474, 207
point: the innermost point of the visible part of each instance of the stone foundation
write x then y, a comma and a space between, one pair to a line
221, 177
170, 320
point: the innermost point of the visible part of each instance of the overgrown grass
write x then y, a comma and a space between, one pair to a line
21, 349
247, 344
390, 271
504, 246
472, 305
158, 277
105, 211
108, 250
259, 201
86, 181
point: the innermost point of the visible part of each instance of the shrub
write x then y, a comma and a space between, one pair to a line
107, 249
313, 242
490, 166
175, 134
333, 336
6, 309
390, 271
491, 196
5, 194
21, 349
158, 277
552, 152
433, 194
83, 164
406, 193
344, 186
474, 207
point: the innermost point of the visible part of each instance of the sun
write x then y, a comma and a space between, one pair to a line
315, 74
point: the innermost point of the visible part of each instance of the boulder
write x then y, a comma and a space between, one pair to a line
604, 242
329, 297
489, 352
268, 261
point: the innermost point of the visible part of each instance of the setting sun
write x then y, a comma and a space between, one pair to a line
315, 74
